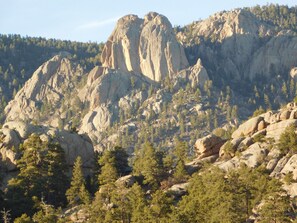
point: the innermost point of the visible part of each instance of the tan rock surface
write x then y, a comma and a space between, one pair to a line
276, 129
14, 133
208, 146
146, 46
247, 128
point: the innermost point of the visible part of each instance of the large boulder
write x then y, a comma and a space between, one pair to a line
73, 144
276, 129
208, 146
247, 128
146, 46
291, 167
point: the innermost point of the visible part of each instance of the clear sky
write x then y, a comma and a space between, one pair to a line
94, 20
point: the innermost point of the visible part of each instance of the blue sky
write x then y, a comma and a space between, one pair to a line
94, 20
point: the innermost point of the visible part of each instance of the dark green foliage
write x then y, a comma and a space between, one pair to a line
288, 141
77, 193
114, 163
23, 219
57, 180
42, 176
213, 197
148, 163
47, 213
276, 208
160, 207
280, 15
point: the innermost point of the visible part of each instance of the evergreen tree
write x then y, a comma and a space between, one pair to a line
57, 179
77, 193
275, 208
180, 174
288, 141
160, 207
29, 184
47, 214
148, 163
137, 204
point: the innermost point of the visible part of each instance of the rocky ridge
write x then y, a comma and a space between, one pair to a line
253, 143
249, 46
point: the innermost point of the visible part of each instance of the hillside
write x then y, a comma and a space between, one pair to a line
154, 130
21, 56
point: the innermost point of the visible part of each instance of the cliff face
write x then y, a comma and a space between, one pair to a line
146, 46
48, 85
238, 45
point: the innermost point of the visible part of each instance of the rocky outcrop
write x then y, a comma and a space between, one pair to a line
107, 91
208, 146
247, 128
275, 57
126, 181
293, 73
178, 190
14, 133
146, 46
196, 75
236, 36
276, 129
291, 167
47, 87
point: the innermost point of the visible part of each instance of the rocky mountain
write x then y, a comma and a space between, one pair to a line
166, 85
238, 45
148, 46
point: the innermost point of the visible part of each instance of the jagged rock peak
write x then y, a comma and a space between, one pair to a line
146, 46
225, 24
48, 84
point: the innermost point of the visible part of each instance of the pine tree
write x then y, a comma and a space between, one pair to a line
160, 207
148, 163
275, 209
137, 204
57, 180
77, 193
180, 174
31, 179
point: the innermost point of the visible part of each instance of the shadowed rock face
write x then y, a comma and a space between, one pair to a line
16, 132
146, 46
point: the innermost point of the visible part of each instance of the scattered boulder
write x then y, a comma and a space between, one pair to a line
208, 146
126, 181
293, 73
279, 166
254, 155
247, 128
231, 146
197, 163
179, 189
